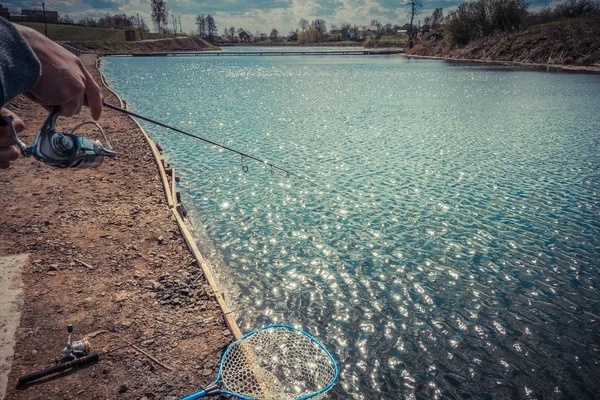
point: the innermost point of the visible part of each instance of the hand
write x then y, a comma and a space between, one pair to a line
64, 82
8, 152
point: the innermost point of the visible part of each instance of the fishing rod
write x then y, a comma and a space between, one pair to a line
242, 154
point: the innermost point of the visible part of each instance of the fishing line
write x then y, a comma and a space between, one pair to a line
339, 197
242, 154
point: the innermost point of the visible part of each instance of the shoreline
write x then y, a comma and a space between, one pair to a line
106, 253
560, 67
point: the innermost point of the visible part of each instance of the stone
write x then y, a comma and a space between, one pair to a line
53, 267
123, 388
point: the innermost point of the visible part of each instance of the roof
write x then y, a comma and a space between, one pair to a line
39, 13
245, 32
367, 28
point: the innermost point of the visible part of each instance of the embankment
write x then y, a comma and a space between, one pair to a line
570, 44
187, 43
106, 253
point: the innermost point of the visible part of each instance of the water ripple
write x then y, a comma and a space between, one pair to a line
452, 249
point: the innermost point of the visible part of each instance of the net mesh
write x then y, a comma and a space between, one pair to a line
277, 363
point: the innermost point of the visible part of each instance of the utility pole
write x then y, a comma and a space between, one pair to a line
180, 30
174, 25
45, 26
140, 27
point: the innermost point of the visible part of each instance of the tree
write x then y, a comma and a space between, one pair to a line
274, 34
333, 27
414, 8
319, 27
211, 28
376, 23
160, 14
201, 24
232, 33
303, 24
65, 19
346, 28
437, 16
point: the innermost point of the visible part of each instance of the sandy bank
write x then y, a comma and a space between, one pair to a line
105, 253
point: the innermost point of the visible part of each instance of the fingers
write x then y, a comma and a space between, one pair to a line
93, 96
8, 152
72, 107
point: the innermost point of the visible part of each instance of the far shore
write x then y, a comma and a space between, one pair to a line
567, 67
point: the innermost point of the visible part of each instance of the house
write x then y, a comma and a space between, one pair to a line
362, 31
293, 36
4, 12
335, 34
370, 35
51, 17
245, 36
406, 27
425, 28
402, 32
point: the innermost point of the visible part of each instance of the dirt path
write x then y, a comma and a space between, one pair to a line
138, 279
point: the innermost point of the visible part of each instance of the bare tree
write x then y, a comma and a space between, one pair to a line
274, 34
211, 28
65, 19
376, 23
160, 14
201, 24
414, 6
346, 28
437, 17
232, 33
318, 25
303, 24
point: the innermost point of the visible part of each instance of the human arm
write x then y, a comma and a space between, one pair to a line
19, 67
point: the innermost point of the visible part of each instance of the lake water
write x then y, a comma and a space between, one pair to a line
451, 245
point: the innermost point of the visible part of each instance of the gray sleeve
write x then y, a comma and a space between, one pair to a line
19, 67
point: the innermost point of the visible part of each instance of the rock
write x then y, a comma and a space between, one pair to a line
161, 240
51, 273
53, 267
123, 388
207, 372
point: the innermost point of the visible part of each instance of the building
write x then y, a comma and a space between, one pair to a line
402, 32
367, 31
30, 15
246, 37
4, 12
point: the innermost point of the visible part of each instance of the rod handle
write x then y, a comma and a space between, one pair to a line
58, 368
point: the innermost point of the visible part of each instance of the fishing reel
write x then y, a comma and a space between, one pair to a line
59, 149
76, 349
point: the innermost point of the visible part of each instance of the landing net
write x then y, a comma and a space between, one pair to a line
277, 362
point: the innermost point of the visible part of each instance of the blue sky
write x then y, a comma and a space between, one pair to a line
254, 15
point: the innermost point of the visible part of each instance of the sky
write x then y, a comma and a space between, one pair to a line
254, 15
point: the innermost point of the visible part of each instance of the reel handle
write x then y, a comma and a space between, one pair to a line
57, 368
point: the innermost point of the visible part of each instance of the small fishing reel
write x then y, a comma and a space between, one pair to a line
62, 150
76, 349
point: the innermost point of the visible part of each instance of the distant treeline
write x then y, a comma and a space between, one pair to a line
117, 21
480, 18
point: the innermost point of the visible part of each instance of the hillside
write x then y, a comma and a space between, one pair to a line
570, 43
186, 43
